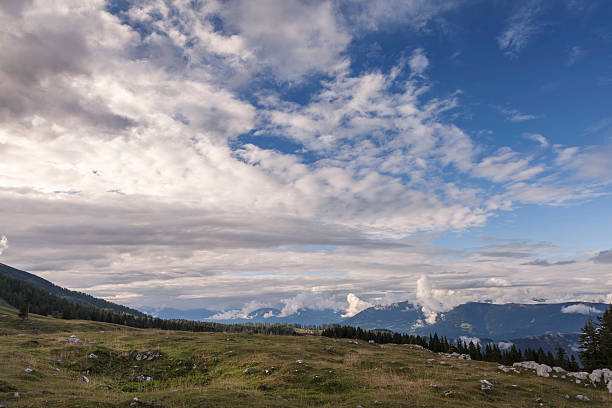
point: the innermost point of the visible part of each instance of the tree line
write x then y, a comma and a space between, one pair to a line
29, 299
596, 342
435, 343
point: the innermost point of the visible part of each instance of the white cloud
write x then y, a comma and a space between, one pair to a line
432, 301
536, 137
581, 309
506, 165
576, 53
355, 305
313, 300
522, 26
418, 61
121, 152
515, 115
3, 244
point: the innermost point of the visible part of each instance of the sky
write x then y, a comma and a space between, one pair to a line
318, 154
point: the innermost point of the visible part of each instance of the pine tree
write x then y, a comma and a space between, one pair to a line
605, 338
24, 308
590, 352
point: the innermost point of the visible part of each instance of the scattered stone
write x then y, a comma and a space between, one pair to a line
566, 396
245, 371
92, 355
86, 379
372, 342
539, 400
194, 367
376, 402
56, 369
581, 375
443, 362
143, 378
299, 361
433, 386
429, 360
20, 335
582, 397
16, 395
74, 339
448, 393
28, 370
147, 355
353, 341
558, 370
485, 385
329, 348
508, 369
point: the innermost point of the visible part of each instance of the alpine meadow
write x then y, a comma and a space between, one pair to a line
305, 203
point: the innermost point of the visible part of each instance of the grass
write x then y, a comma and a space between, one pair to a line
241, 370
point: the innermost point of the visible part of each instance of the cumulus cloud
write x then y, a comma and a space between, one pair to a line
3, 244
581, 309
418, 61
433, 301
313, 300
355, 305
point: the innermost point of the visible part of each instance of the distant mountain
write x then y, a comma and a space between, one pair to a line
483, 320
402, 317
70, 295
272, 315
172, 313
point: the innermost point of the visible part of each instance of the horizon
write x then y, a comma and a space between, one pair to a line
330, 155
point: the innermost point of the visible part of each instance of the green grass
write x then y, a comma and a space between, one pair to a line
241, 370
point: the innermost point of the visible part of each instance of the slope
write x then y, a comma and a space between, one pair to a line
70, 295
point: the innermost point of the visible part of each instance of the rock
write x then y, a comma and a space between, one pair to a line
543, 370
539, 400
448, 393
372, 342
92, 355
508, 369
566, 396
578, 381
558, 370
28, 370
433, 386
143, 378
581, 375
86, 379
56, 369
74, 339
485, 385
245, 371
16, 395
598, 375
299, 361
443, 363
582, 397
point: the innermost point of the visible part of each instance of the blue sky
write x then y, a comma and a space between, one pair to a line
323, 154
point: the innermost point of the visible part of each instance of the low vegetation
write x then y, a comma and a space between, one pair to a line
108, 365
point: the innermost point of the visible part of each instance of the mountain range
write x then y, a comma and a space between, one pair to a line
512, 322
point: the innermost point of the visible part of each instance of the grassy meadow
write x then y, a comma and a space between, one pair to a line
241, 370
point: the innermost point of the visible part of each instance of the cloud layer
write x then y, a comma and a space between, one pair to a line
135, 164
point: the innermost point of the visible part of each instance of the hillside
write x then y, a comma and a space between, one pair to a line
483, 320
70, 295
181, 369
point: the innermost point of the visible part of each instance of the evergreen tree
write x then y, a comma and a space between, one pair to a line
590, 350
24, 308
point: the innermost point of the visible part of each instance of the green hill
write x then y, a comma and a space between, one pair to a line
70, 295
111, 365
